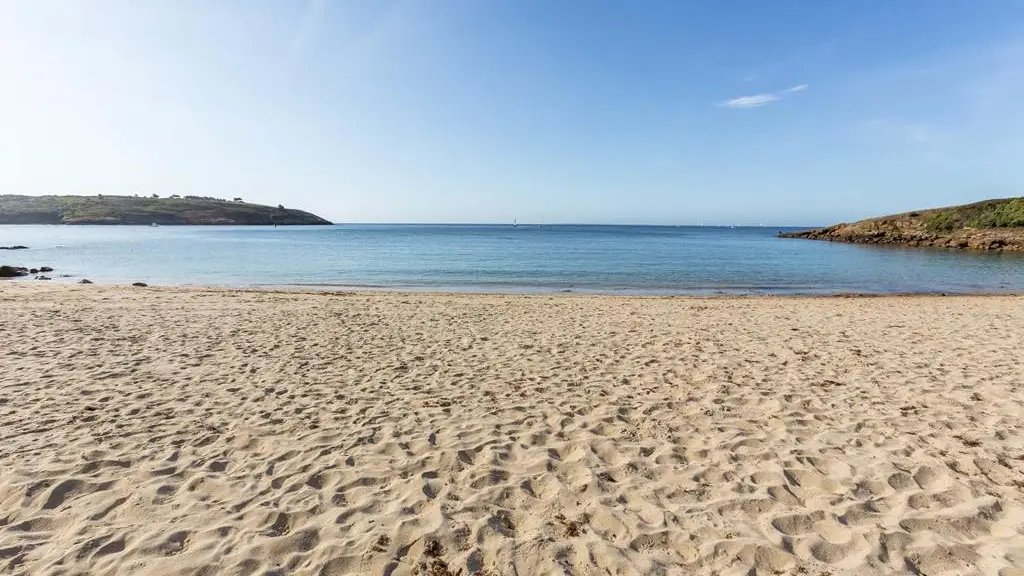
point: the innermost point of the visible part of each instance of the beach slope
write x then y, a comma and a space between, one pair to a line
178, 431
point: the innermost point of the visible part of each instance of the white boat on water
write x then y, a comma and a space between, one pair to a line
154, 225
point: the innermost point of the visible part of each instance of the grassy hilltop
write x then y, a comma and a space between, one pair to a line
988, 225
102, 209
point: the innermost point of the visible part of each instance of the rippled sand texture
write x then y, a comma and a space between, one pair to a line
152, 431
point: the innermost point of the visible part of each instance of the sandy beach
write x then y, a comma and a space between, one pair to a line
190, 431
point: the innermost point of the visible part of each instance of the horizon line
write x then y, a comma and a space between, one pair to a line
536, 224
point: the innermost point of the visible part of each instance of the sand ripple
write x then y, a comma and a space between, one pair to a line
202, 432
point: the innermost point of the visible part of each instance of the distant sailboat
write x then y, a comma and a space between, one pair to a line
515, 223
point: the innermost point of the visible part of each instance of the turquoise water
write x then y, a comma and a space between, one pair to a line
647, 259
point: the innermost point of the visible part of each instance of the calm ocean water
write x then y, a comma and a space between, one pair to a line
648, 259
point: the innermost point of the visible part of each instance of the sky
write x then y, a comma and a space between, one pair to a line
583, 111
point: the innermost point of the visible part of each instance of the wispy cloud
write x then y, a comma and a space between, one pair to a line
758, 100
750, 101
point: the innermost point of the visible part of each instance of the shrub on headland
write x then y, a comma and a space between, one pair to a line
942, 221
1008, 215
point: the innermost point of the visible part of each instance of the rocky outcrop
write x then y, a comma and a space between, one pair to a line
992, 225
19, 271
13, 272
19, 247
1009, 239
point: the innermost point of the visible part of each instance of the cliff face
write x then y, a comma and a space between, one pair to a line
134, 210
988, 225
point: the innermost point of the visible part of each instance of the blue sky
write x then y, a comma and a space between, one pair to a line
783, 112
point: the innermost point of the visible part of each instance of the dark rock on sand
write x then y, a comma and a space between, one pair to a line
33, 270
43, 278
45, 269
12, 272
140, 284
85, 281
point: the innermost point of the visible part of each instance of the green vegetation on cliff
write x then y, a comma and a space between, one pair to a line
1007, 213
989, 225
102, 209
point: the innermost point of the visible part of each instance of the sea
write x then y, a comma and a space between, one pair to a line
503, 258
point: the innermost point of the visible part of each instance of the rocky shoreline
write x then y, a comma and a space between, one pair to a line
19, 271
990, 225
1009, 239
12, 272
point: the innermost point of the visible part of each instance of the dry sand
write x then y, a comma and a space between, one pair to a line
168, 431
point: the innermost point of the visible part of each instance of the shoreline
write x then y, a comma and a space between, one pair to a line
544, 293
